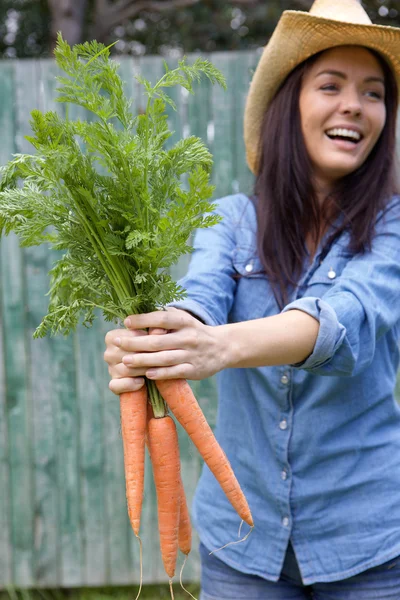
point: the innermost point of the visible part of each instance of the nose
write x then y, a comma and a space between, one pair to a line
351, 104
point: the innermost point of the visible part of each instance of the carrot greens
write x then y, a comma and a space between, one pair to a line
107, 192
119, 205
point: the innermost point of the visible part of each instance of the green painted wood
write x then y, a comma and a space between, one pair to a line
65, 406
63, 517
69, 485
18, 408
92, 449
45, 498
44, 458
245, 63
20, 427
6, 148
223, 127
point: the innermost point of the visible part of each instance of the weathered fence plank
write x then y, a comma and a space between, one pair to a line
45, 463
93, 447
222, 127
6, 148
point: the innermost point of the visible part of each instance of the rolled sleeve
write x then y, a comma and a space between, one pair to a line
330, 335
361, 307
195, 309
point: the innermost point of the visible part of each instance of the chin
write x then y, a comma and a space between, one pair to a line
339, 171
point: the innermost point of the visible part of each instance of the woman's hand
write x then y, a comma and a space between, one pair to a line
124, 379
189, 349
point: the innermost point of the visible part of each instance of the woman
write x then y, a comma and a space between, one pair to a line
293, 299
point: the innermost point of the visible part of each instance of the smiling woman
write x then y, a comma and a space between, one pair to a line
293, 301
304, 172
343, 113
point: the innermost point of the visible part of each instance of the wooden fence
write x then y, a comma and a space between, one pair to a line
63, 518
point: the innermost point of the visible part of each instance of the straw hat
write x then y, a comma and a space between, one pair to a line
298, 36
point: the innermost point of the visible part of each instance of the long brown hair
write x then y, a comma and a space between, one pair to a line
286, 203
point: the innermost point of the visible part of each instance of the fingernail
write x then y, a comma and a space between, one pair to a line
151, 374
117, 341
127, 322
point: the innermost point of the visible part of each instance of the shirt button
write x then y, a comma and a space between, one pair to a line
284, 475
284, 379
285, 521
249, 268
331, 273
283, 424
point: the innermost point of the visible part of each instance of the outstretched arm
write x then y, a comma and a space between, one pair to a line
193, 350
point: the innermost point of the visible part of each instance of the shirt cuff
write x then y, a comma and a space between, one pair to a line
330, 335
196, 309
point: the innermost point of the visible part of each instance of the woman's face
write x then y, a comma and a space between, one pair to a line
342, 111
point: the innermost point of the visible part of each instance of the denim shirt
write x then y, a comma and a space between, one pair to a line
315, 446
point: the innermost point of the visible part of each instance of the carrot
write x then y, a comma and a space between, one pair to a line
185, 528
133, 406
183, 404
164, 455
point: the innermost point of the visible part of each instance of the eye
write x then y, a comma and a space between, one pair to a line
330, 87
375, 94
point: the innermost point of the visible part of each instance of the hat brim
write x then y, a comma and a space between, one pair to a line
298, 36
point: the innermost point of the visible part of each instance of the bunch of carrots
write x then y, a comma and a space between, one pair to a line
110, 195
140, 427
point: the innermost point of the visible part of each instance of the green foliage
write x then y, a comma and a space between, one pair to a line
108, 193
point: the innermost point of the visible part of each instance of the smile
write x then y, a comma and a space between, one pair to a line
344, 134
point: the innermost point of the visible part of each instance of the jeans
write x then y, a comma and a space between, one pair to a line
221, 582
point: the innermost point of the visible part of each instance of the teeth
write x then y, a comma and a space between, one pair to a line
350, 133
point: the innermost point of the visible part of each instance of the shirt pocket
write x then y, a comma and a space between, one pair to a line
326, 275
254, 298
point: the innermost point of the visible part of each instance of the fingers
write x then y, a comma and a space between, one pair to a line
181, 371
157, 331
171, 318
120, 371
149, 343
114, 352
151, 359
114, 334
127, 375
127, 384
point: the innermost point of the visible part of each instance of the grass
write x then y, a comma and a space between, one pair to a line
149, 592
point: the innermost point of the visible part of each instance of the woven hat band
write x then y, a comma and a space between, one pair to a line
346, 11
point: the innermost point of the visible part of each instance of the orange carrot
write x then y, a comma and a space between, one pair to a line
185, 528
164, 455
133, 406
183, 404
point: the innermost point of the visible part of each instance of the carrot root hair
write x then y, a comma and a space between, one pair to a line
171, 589
141, 566
233, 543
180, 578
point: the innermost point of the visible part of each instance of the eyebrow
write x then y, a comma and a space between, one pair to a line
343, 76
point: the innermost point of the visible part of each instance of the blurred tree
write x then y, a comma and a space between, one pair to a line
169, 27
